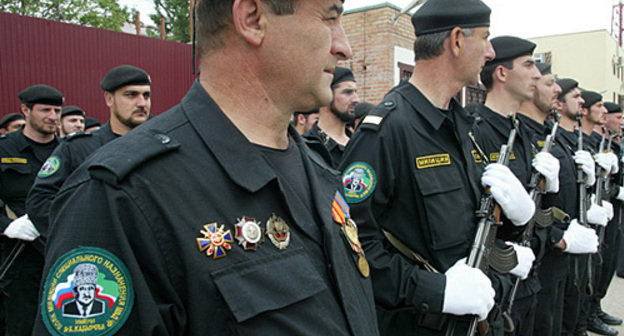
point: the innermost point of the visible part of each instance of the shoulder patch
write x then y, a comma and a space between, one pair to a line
51, 166
77, 135
358, 180
88, 291
376, 116
130, 152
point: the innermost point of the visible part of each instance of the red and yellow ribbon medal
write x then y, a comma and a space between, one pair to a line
341, 214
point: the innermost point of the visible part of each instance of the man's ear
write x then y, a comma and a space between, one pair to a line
108, 98
456, 41
500, 73
248, 19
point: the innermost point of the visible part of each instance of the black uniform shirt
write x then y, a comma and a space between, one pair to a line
146, 197
69, 155
21, 159
335, 149
425, 193
491, 132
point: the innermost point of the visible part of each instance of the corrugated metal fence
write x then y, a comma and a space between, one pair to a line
74, 59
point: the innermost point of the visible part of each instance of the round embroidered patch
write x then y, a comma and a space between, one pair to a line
87, 292
49, 167
358, 180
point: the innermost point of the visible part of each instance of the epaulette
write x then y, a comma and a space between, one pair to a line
376, 116
121, 157
77, 135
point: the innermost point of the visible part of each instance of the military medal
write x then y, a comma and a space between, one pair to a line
248, 233
215, 241
363, 265
278, 232
340, 212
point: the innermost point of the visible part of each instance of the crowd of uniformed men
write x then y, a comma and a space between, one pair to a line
229, 215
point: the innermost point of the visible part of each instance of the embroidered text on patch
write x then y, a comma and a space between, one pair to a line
431, 161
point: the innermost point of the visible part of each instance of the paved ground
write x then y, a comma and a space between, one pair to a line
613, 303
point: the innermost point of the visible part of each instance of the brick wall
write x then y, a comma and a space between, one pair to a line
373, 38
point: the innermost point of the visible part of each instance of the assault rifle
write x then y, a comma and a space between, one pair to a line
484, 254
542, 218
580, 180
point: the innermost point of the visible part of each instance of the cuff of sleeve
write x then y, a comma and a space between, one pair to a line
554, 236
429, 297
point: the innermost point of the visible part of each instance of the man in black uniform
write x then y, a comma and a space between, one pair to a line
127, 93
533, 116
303, 121
331, 127
511, 79
593, 118
11, 123
21, 155
421, 184
215, 217
72, 120
612, 234
577, 240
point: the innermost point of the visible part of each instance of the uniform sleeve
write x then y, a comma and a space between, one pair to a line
44, 189
397, 281
94, 214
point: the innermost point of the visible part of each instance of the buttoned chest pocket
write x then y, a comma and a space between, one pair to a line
270, 284
16, 179
447, 205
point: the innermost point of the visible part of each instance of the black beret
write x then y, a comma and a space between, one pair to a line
590, 98
613, 107
544, 68
511, 47
41, 94
124, 75
71, 110
566, 85
362, 109
443, 15
9, 118
342, 75
91, 122
314, 110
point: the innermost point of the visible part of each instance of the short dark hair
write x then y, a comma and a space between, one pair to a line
488, 71
213, 16
430, 46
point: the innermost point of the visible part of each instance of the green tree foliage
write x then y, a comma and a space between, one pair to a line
107, 14
176, 14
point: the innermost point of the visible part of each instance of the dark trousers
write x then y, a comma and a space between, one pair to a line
553, 274
609, 253
575, 293
21, 286
523, 315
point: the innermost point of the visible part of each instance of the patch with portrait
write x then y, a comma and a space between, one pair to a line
49, 167
359, 180
88, 291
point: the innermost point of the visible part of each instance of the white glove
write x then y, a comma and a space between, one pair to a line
547, 165
609, 208
580, 239
21, 228
608, 161
597, 215
586, 161
616, 163
468, 291
508, 193
620, 195
525, 260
